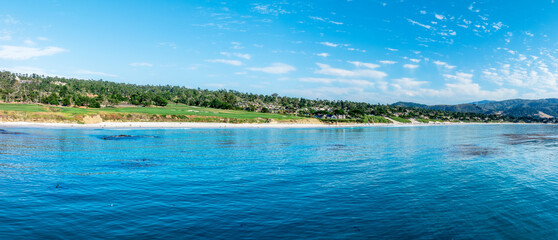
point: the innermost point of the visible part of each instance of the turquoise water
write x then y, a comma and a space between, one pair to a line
442, 182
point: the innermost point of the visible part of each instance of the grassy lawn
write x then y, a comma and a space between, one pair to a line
171, 109
176, 109
22, 107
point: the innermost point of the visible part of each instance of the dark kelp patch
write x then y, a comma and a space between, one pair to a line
6, 132
130, 163
336, 147
473, 150
124, 137
515, 139
138, 163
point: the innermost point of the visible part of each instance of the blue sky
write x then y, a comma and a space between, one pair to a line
362, 50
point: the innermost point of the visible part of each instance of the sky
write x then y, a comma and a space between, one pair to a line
376, 51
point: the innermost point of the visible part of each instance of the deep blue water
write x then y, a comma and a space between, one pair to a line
441, 182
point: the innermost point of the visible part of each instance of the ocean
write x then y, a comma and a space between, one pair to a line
431, 182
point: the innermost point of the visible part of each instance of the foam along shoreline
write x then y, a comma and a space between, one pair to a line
179, 125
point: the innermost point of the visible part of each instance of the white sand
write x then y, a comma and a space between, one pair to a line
161, 125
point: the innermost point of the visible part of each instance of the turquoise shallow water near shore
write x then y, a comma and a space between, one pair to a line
460, 182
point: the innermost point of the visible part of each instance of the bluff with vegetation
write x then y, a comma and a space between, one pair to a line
33, 88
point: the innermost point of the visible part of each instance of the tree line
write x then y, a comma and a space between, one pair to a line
34, 88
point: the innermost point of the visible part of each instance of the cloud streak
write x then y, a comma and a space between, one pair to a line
275, 68
24, 53
225, 61
356, 73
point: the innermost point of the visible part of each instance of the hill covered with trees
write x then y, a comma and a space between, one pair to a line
33, 88
540, 108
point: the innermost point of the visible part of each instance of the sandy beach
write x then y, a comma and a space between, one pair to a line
179, 125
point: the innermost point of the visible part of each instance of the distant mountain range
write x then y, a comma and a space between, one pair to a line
542, 108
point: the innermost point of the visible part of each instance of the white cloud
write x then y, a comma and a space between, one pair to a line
328, 92
356, 49
460, 88
356, 82
141, 64
29, 42
88, 72
443, 64
392, 49
329, 44
318, 80
225, 61
536, 76
363, 64
409, 82
317, 18
239, 55
366, 73
42, 39
237, 45
25, 69
414, 60
168, 44
24, 53
325, 20
323, 54
408, 86
388, 62
410, 66
420, 24
497, 25
471, 8
465, 86
342, 45
269, 9
422, 12
275, 68
439, 16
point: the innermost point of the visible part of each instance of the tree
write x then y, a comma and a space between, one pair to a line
63, 91
160, 101
52, 99
95, 104
66, 101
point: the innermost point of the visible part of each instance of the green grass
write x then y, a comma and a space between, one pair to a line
423, 120
176, 109
171, 109
401, 120
22, 107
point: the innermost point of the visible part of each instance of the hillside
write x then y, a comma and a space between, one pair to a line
542, 108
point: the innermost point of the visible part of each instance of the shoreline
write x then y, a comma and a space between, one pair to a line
197, 125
